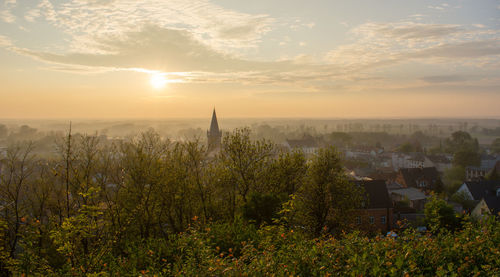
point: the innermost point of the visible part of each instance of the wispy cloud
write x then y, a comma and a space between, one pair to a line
220, 28
444, 79
378, 44
5, 42
6, 12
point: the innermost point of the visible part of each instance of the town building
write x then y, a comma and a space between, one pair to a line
486, 193
415, 198
377, 214
308, 145
425, 179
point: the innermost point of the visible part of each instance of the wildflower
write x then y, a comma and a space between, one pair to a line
195, 218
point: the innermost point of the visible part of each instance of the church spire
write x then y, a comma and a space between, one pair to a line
214, 135
214, 125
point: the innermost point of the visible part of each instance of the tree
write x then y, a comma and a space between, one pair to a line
438, 215
286, 174
328, 198
464, 148
246, 161
13, 183
262, 208
453, 178
25, 132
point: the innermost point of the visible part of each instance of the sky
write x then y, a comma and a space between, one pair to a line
260, 58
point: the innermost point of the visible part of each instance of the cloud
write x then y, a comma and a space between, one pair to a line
443, 79
310, 25
6, 12
32, 15
383, 44
160, 49
7, 16
464, 50
406, 30
223, 29
5, 42
438, 7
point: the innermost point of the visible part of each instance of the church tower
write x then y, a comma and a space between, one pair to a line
214, 135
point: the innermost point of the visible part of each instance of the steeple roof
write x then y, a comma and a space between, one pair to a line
214, 125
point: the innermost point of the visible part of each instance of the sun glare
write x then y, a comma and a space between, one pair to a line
158, 81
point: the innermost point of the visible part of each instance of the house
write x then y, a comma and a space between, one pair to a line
399, 160
377, 214
363, 152
441, 162
411, 160
480, 173
425, 179
482, 191
416, 198
308, 145
418, 160
480, 210
477, 173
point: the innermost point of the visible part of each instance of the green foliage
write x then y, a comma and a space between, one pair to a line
81, 238
276, 250
286, 174
464, 148
453, 178
328, 198
246, 161
261, 208
439, 215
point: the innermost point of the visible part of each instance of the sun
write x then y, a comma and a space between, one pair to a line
158, 81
